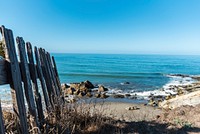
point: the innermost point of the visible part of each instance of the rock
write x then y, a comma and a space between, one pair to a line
89, 94
104, 96
102, 89
145, 104
180, 75
77, 92
157, 116
88, 84
81, 94
132, 108
75, 85
158, 97
64, 86
70, 91
126, 83
82, 86
71, 100
168, 97
97, 95
180, 92
118, 96
153, 103
127, 95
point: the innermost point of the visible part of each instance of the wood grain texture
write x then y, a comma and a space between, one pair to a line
27, 81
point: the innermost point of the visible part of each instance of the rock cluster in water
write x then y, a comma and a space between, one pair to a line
83, 89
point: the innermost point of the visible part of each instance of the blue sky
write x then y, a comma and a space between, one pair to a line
106, 26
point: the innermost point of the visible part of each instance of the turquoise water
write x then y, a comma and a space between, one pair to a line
123, 73
142, 72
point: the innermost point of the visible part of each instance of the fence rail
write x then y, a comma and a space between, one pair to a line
23, 77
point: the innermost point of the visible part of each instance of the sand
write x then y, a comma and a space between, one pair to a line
124, 111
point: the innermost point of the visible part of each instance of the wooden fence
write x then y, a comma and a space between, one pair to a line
23, 77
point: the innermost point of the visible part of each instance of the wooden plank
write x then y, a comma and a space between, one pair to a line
2, 129
7, 58
3, 72
35, 84
56, 72
56, 86
41, 78
27, 81
16, 86
47, 76
49, 73
58, 80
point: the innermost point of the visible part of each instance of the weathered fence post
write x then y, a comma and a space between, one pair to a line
56, 86
2, 129
27, 81
56, 72
33, 74
16, 85
41, 78
47, 76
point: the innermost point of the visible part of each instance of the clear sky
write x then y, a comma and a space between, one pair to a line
106, 26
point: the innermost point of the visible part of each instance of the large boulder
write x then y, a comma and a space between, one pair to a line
82, 86
88, 84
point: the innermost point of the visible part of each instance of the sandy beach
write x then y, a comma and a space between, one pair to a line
129, 111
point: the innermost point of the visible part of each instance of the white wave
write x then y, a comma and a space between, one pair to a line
168, 89
114, 91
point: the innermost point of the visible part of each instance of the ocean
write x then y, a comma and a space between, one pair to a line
124, 73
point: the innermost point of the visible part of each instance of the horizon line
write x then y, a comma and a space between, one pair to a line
125, 53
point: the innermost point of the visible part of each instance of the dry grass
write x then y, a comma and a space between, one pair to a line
68, 118
90, 118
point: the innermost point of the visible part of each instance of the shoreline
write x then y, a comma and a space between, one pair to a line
177, 86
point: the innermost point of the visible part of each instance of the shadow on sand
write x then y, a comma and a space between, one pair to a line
144, 127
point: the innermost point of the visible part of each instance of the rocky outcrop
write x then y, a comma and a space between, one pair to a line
84, 89
191, 99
